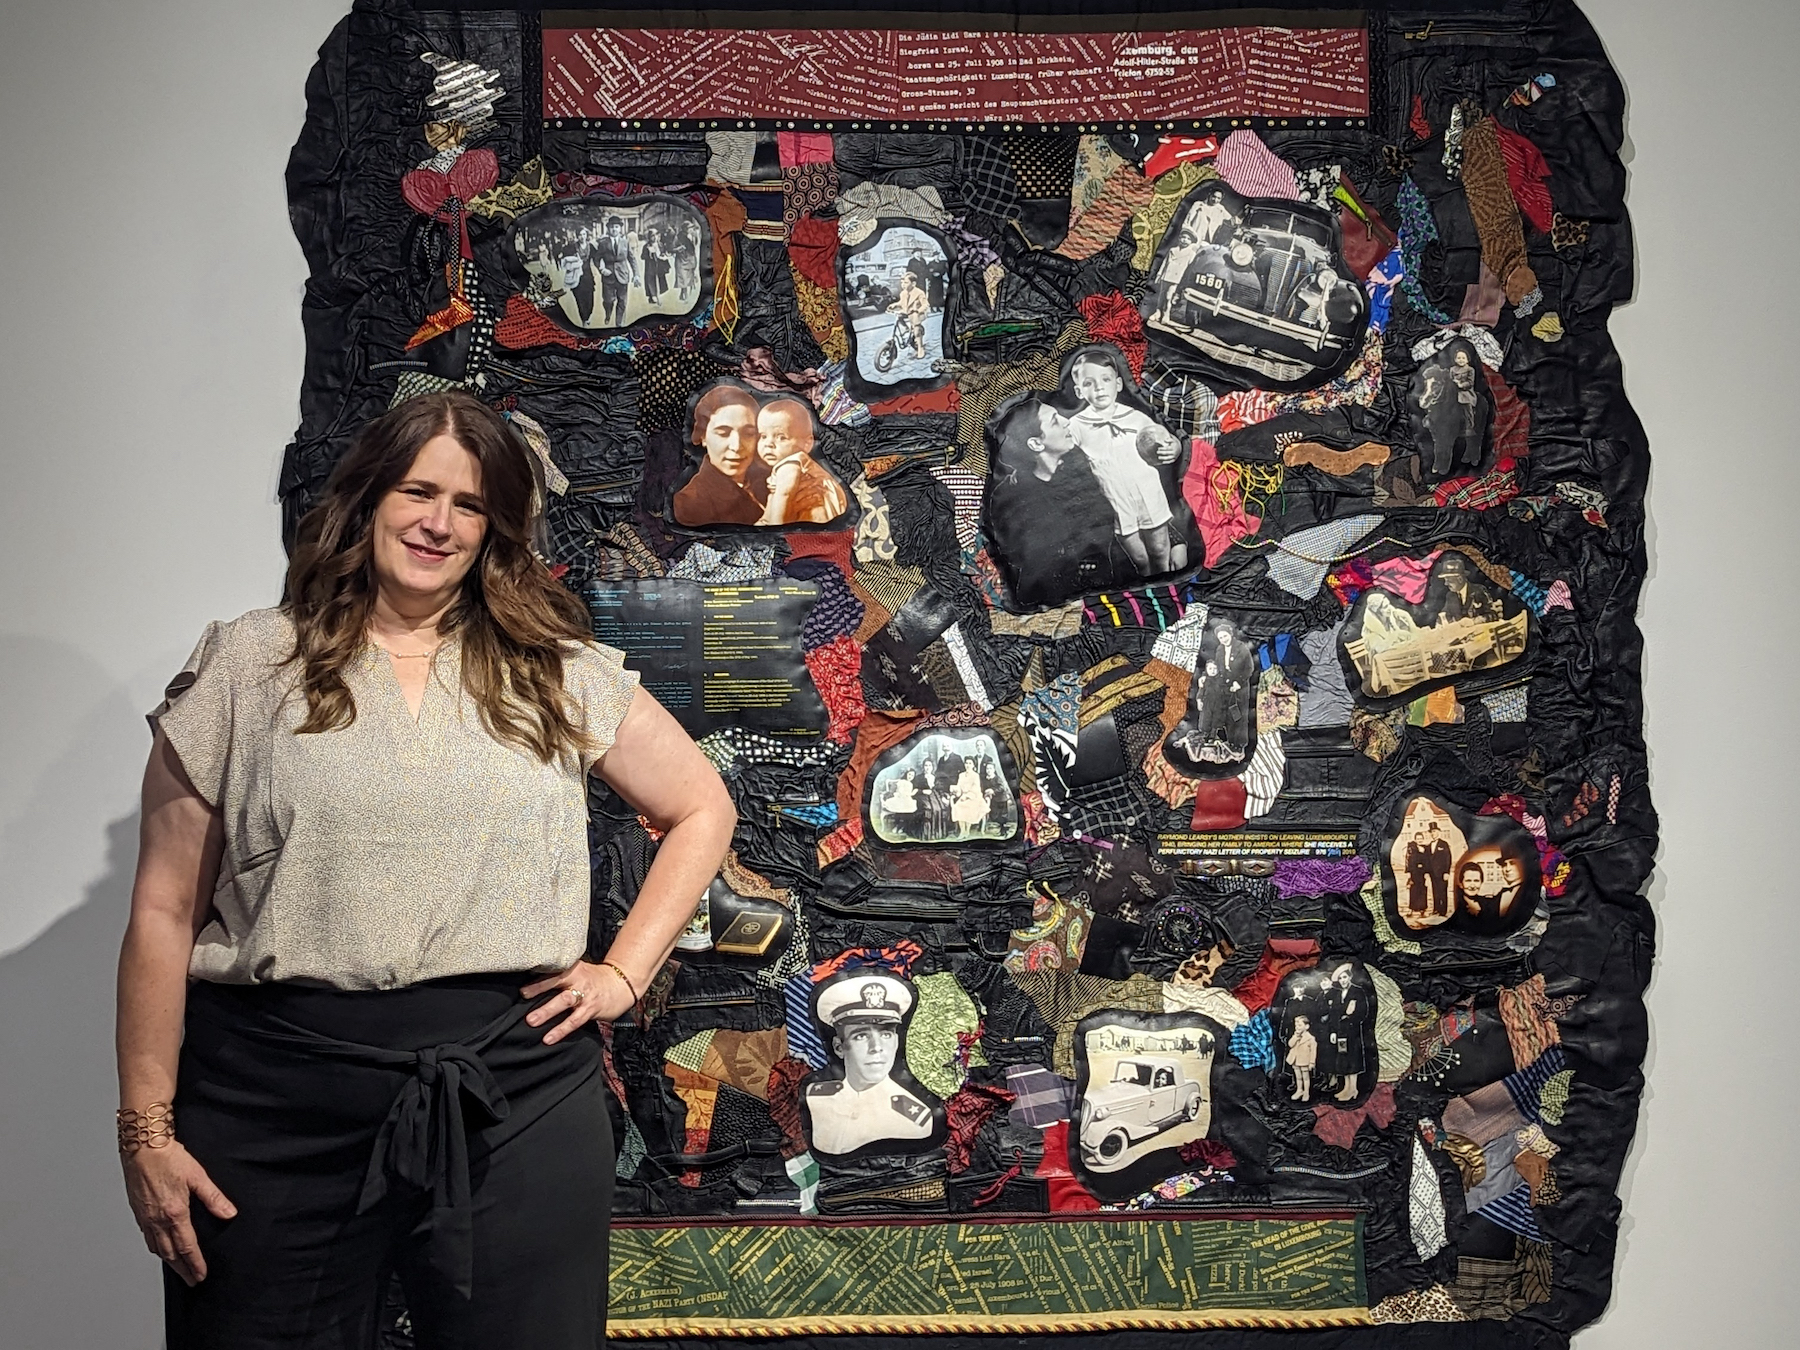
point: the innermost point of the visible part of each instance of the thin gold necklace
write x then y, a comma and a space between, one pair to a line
408, 656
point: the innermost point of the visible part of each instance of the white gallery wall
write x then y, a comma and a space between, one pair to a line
149, 365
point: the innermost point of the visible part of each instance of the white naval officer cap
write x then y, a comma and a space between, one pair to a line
874, 997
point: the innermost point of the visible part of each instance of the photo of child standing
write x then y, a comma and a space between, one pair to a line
1126, 448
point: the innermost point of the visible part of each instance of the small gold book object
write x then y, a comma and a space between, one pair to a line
749, 935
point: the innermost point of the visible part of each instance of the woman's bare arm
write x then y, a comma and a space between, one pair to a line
180, 838
660, 772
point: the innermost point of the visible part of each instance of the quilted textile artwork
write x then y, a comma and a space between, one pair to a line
1144, 516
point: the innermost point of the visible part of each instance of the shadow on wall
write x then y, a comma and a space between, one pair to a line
73, 1271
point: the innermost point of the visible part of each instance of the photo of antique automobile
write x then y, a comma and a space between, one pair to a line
1146, 1095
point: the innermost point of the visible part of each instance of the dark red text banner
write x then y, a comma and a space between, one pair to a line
868, 74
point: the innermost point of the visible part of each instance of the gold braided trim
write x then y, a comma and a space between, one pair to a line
1031, 1324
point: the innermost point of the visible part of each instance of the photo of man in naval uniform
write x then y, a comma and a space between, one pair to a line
865, 1096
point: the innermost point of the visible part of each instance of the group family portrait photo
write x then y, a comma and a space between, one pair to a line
945, 787
1324, 1023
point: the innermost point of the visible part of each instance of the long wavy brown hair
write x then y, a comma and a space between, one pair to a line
513, 617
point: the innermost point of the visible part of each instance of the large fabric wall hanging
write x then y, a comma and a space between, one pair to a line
1145, 518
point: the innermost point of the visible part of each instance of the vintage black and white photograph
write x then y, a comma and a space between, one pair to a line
948, 786
1258, 285
753, 462
1323, 1019
1423, 857
894, 287
864, 1101
1092, 458
1456, 871
599, 264
1462, 625
1143, 1089
1451, 411
1218, 735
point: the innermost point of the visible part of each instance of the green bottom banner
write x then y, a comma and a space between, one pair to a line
1018, 1276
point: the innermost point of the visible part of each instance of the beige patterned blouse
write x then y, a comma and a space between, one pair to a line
393, 850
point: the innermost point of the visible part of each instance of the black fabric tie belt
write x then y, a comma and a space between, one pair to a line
424, 1141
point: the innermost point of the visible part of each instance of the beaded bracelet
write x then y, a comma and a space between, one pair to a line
637, 999
153, 1127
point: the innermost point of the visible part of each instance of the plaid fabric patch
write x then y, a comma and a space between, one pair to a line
803, 1171
1183, 403
989, 184
1253, 1043
691, 1053
1478, 494
1041, 1097
1109, 807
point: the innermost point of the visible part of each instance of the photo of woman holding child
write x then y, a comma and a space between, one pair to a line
756, 465
1093, 459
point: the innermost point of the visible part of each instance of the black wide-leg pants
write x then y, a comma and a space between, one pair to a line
425, 1132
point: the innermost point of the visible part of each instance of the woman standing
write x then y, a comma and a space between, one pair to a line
355, 1018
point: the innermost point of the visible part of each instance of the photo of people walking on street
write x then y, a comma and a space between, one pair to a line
600, 264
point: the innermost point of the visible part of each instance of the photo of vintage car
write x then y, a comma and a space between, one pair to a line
1146, 1095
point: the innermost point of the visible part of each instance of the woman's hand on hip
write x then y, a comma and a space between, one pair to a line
158, 1182
585, 992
